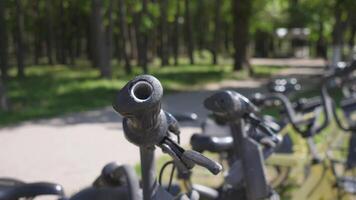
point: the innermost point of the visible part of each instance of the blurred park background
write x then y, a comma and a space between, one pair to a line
65, 56
62, 61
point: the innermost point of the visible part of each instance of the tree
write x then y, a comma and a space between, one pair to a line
176, 33
140, 19
3, 42
124, 36
4, 104
164, 33
217, 30
338, 30
19, 39
49, 32
189, 32
101, 57
241, 12
143, 39
37, 31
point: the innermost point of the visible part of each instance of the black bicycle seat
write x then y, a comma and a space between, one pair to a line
348, 184
201, 142
11, 189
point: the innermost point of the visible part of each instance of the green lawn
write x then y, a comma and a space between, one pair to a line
55, 90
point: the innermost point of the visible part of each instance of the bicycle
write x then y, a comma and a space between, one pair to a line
147, 126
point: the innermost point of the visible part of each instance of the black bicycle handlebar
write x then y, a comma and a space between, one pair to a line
146, 124
292, 116
230, 104
234, 109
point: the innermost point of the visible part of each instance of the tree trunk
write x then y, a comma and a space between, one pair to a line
226, 37
321, 48
19, 29
49, 36
189, 32
141, 37
164, 33
4, 104
3, 42
241, 12
200, 26
176, 34
109, 34
216, 42
352, 37
37, 31
337, 34
351, 41
124, 36
101, 51
144, 43
61, 45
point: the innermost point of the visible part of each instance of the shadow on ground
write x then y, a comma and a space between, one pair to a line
181, 102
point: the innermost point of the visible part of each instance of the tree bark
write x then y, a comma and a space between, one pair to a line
338, 32
144, 38
352, 36
164, 33
4, 104
61, 43
241, 13
226, 37
189, 32
200, 26
321, 47
19, 29
109, 35
124, 36
176, 33
216, 42
49, 36
351, 41
37, 32
141, 37
100, 49
3, 42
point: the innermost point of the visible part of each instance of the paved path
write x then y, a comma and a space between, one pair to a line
72, 149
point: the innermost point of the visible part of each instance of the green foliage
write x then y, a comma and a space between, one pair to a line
49, 91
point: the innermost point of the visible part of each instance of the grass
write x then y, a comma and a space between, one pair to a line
49, 91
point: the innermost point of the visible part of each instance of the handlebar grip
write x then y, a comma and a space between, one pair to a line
203, 161
229, 103
139, 102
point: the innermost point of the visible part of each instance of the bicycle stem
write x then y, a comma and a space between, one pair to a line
144, 124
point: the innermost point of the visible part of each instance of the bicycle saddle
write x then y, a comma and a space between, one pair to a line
201, 142
12, 189
115, 182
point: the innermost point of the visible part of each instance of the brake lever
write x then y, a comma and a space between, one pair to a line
254, 120
173, 125
186, 159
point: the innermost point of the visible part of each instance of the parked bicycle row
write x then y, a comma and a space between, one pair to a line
295, 152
